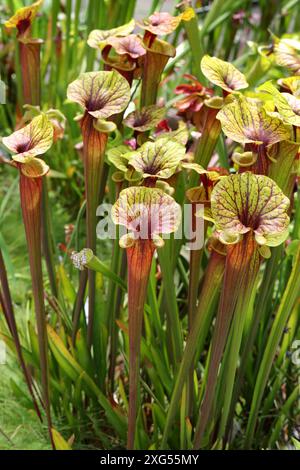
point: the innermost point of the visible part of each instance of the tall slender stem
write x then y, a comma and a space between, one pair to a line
79, 304
30, 68
31, 197
207, 142
244, 303
208, 295
173, 320
195, 264
139, 259
196, 45
47, 239
116, 295
158, 54
238, 261
263, 298
29, 52
94, 144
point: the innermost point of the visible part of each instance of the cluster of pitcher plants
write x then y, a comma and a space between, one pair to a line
178, 332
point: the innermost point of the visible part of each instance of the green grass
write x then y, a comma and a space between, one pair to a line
22, 428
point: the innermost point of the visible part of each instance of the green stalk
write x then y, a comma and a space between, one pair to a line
47, 239
283, 414
207, 142
139, 259
195, 266
261, 304
90, 53
130, 8
94, 143
102, 24
241, 260
281, 171
216, 9
222, 153
164, 256
209, 292
76, 37
230, 365
31, 198
54, 64
115, 296
79, 304
155, 314
257, 71
195, 40
69, 7
290, 296
154, 5
11, 6
116, 313
268, 11
228, 44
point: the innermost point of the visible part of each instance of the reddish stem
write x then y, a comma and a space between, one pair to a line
156, 58
139, 259
241, 267
94, 143
30, 67
31, 196
261, 166
210, 289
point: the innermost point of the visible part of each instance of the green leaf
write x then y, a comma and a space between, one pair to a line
34, 139
296, 443
130, 46
98, 37
59, 441
141, 209
180, 135
287, 54
288, 105
145, 119
292, 84
71, 367
67, 286
247, 202
26, 13
159, 159
119, 157
101, 94
246, 121
223, 74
